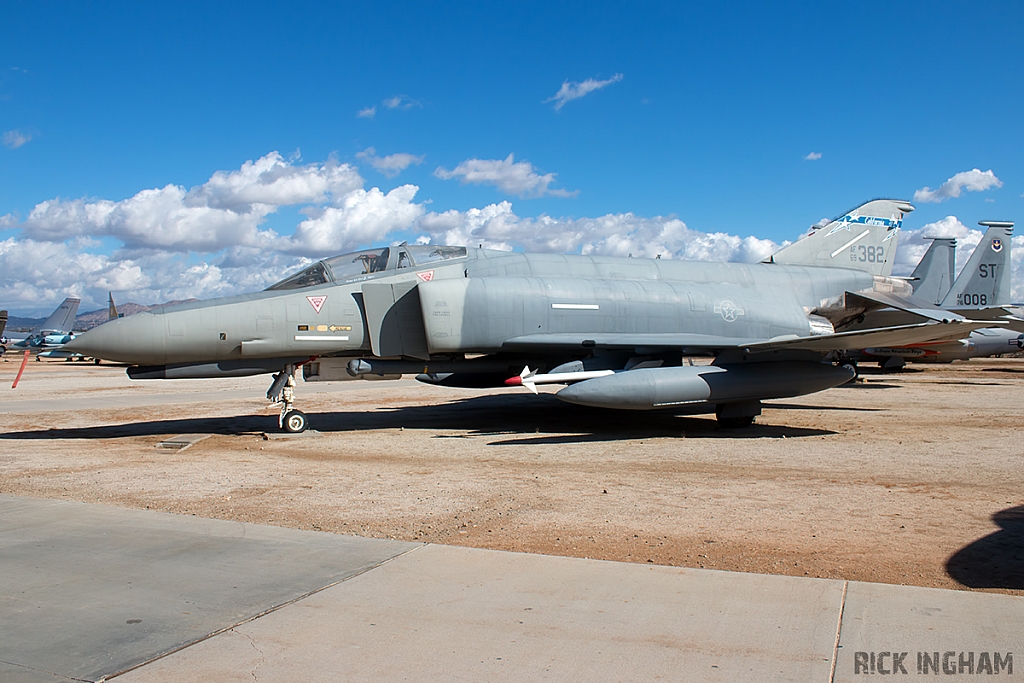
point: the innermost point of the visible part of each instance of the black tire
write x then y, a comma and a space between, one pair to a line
295, 422
96, 361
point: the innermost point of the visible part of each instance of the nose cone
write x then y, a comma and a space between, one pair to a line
135, 339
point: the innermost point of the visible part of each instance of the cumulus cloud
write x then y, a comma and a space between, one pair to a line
401, 102
15, 138
38, 275
367, 113
210, 240
227, 210
511, 177
392, 164
572, 90
273, 181
362, 217
496, 226
974, 180
813, 156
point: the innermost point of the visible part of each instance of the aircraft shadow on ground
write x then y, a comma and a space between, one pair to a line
871, 370
801, 406
868, 386
995, 561
491, 415
1009, 370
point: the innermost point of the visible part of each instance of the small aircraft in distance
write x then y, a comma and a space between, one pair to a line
55, 330
617, 331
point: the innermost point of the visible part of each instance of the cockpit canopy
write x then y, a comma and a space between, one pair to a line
358, 265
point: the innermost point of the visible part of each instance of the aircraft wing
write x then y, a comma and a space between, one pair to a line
884, 336
998, 317
615, 340
859, 339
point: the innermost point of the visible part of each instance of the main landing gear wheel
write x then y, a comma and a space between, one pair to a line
852, 367
739, 414
295, 422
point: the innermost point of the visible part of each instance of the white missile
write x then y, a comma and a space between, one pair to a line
530, 379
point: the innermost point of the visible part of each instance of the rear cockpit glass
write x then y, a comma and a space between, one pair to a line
363, 263
424, 255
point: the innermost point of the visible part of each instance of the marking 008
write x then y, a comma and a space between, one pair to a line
966, 299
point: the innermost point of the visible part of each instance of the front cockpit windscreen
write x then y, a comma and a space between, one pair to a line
360, 265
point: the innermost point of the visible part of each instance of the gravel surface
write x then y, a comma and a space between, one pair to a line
909, 478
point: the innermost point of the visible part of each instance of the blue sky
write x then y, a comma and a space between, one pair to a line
702, 113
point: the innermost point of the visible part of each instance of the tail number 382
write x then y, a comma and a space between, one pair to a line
865, 253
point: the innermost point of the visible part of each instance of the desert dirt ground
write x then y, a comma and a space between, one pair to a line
909, 478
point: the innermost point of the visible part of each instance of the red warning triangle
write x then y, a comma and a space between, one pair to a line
317, 302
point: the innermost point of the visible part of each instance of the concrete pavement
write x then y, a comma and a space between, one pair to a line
90, 591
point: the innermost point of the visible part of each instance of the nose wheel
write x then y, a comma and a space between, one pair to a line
283, 391
294, 421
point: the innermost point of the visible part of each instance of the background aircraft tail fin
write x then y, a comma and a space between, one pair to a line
864, 238
63, 319
111, 308
3, 322
985, 280
934, 275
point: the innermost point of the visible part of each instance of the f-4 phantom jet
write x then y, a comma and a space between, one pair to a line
616, 331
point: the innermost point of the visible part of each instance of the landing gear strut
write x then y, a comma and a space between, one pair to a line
283, 391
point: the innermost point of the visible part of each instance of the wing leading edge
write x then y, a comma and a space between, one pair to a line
698, 343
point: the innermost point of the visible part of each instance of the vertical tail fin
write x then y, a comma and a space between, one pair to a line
934, 275
864, 238
3, 321
63, 319
111, 308
985, 280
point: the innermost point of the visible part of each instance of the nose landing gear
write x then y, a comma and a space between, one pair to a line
283, 391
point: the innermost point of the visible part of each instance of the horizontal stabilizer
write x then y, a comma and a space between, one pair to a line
910, 305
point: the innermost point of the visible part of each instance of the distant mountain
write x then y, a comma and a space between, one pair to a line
85, 321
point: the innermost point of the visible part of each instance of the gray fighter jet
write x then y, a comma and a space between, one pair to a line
615, 330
